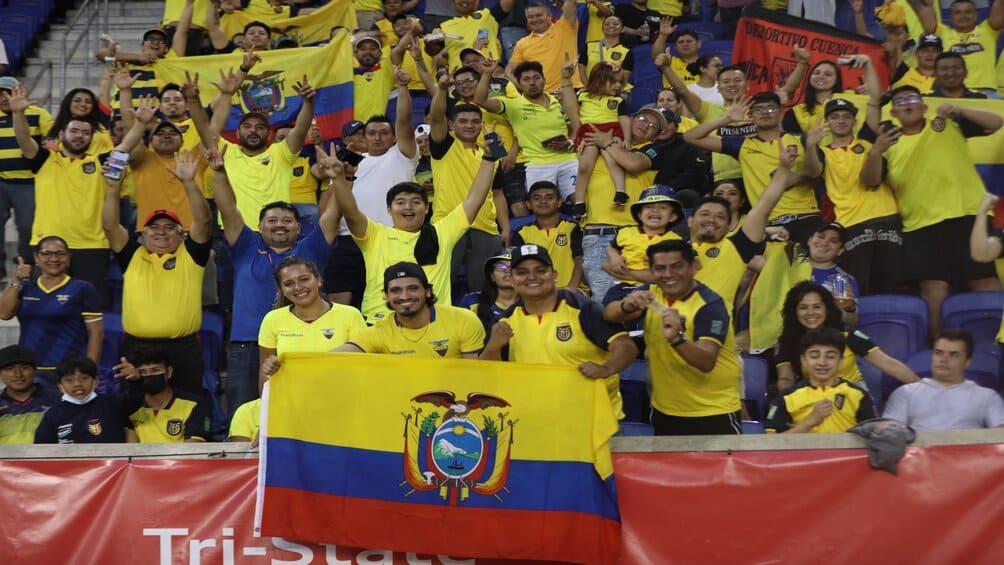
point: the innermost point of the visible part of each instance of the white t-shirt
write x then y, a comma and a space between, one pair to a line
374, 177
930, 405
709, 94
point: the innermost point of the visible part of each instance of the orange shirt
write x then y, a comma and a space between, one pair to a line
551, 49
156, 188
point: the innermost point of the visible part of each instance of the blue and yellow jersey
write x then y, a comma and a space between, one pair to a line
758, 160
184, 417
13, 165
563, 243
19, 420
52, 319
451, 333
723, 264
851, 405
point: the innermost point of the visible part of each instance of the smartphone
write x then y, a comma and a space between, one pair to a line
117, 162
349, 157
483, 34
495, 146
887, 126
845, 60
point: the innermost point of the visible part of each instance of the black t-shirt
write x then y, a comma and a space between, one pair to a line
634, 18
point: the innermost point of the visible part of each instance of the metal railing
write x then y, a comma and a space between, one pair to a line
88, 12
32, 82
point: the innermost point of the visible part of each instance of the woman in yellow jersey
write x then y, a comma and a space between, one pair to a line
82, 104
809, 306
497, 294
706, 67
609, 49
669, 99
825, 82
302, 320
732, 190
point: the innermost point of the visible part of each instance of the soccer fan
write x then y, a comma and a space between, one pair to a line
550, 44
303, 319
410, 238
826, 83
937, 203
608, 49
558, 327
456, 159
655, 213
17, 180
947, 401
690, 344
83, 415
166, 415
497, 294
69, 186
561, 237
255, 258
757, 154
950, 78
60, 316
538, 121
823, 248
162, 286
872, 231
373, 74
688, 47
977, 42
986, 248
354, 136
244, 426
922, 76
419, 326
823, 402
475, 28
24, 401
680, 165
173, 104
80, 104
155, 45
809, 306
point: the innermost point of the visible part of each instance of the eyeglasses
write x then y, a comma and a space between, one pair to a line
156, 41
764, 109
501, 267
464, 81
905, 100
649, 123
50, 254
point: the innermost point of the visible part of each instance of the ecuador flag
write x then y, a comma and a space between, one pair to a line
457, 457
308, 29
269, 86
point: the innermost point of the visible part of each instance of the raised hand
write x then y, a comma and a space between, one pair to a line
18, 100
186, 163
787, 155
887, 138
191, 86
663, 60
250, 60
304, 89
738, 111
989, 202
666, 27
816, 134
567, 68
801, 54
229, 82
122, 78
214, 157
23, 270
402, 77
488, 66
146, 108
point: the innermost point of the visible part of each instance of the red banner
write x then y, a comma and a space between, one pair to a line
768, 506
766, 39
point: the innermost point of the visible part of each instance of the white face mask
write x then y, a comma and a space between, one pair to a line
81, 402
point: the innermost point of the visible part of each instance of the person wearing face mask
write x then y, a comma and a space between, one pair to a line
83, 415
24, 401
165, 415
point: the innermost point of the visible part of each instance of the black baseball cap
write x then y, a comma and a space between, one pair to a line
530, 251
402, 270
154, 31
351, 128
165, 124
837, 104
13, 354
249, 115
930, 40
833, 226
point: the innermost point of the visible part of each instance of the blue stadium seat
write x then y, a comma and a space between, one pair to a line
636, 429
983, 368
752, 428
978, 313
897, 323
634, 391
15, 43
755, 372
211, 342
113, 282
872, 377
111, 347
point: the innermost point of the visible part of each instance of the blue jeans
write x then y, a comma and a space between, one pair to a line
509, 35
594, 253
21, 198
242, 374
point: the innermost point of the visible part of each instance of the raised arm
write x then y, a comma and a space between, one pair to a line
124, 79
860, 26
298, 134
22, 133
186, 165
481, 186
989, 120
813, 164
397, 53
223, 195
217, 38
337, 173
438, 127
117, 235
701, 135
690, 100
925, 13
424, 74
666, 30
481, 98
132, 142
787, 90
346, 202
569, 13
984, 248
569, 101
180, 42
756, 221
873, 170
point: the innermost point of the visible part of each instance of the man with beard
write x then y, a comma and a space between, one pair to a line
419, 326
950, 77
373, 74
173, 106
456, 159
167, 415
69, 187
260, 172
976, 41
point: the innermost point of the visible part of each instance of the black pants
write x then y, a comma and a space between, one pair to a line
719, 424
183, 354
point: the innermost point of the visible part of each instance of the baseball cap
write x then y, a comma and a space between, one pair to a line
837, 104
891, 15
930, 40
351, 128
423, 129
154, 31
832, 226
402, 270
165, 124
490, 262
653, 111
250, 115
16, 354
657, 193
365, 38
530, 251
671, 116
470, 50
161, 213
8, 83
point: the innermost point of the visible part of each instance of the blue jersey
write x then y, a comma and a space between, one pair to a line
20, 419
254, 277
52, 319
102, 420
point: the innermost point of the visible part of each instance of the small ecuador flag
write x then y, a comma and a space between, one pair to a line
439, 456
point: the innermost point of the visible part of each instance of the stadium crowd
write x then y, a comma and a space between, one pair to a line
530, 217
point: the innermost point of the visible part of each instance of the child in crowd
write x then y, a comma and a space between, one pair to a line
656, 212
601, 108
561, 237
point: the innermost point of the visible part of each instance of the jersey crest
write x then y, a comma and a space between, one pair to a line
94, 427
170, 264
561, 239
563, 332
174, 426
89, 168
713, 252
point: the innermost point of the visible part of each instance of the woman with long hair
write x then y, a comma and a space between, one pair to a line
734, 192
498, 293
706, 68
809, 306
825, 82
60, 316
82, 104
303, 319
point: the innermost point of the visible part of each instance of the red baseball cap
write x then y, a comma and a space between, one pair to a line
161, 213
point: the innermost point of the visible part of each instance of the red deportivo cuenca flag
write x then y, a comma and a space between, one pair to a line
766, 39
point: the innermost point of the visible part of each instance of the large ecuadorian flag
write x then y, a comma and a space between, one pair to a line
269, 87
439, 456
308, 29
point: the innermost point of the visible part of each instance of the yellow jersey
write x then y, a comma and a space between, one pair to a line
452, 333
283, 331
